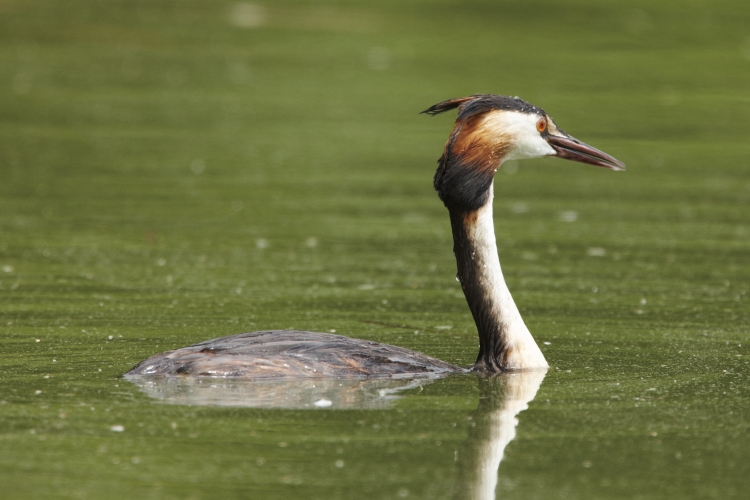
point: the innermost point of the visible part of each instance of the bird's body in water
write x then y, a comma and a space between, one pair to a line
489, 129
292, 353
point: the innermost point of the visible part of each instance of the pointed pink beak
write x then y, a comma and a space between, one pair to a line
571, 148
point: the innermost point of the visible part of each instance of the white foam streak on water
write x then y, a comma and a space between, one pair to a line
568, 216
247, 15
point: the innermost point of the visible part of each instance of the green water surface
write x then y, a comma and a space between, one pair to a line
174, 171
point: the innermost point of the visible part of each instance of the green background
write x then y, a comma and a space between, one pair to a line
177, 171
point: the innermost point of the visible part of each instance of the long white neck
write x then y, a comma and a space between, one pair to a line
505, 342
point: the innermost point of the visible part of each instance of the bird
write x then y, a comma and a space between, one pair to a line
489, 130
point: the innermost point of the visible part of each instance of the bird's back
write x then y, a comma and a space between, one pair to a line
291, 353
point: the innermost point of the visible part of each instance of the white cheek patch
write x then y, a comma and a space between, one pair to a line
526, 140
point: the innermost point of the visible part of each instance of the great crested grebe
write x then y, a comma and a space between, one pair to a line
489, 130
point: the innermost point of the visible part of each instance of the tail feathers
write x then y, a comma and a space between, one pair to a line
444, 106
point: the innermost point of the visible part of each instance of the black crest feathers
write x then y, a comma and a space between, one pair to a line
444, 106
480, 103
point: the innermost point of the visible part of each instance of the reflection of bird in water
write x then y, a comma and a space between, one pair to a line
501, 398
289, 393
489, 130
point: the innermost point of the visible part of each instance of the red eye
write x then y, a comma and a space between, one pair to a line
541, 125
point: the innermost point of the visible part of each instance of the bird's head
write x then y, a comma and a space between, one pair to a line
491, 129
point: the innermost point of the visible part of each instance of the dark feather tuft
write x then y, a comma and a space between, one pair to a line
444, 106
480, 103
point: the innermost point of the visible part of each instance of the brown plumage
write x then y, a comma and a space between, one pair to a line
474, 144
